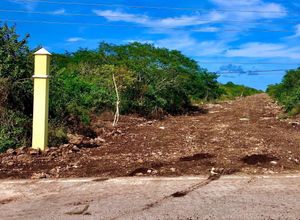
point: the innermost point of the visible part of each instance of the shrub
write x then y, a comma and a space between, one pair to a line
231, 90
287, 92
14, 130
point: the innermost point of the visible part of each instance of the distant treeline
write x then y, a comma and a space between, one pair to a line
140, 78
232, 90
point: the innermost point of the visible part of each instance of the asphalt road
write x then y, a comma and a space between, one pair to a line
230, 197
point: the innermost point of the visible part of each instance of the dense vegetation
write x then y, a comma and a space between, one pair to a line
287, 92
138, 78
232, 90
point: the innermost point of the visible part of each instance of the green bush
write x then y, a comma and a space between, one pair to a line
14, 130
231, 90
287, 92
15, 89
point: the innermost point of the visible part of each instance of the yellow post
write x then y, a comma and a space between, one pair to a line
40, 99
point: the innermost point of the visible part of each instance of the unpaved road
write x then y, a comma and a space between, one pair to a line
241, 136
230, 197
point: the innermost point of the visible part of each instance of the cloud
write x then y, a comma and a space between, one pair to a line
59, 12
192, 46
264, 50
266, 10
75, 39
171, 22
213, 22
30, 6
297, 32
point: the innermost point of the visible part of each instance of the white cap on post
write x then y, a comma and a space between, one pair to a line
42, 51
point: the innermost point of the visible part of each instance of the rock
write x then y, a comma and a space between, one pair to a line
34, 152
149, 171
10, 163
39, 175
140, 161
53, 154
75, 139
10, 151
162, 128
21, 150
98, 140
173, 169
75, 148
25, 158
154, 172
273, 162
294, 123
244, 119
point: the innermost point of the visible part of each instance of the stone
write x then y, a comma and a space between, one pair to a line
10, 151
173, 169
33, 152
25, 158
98, 140
39, 175
244, 119
10, 163
75, 139
75, 148
273, 162
140, 161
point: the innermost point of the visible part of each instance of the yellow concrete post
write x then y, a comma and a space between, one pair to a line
40, 99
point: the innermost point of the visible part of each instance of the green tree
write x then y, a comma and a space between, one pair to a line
15, 88
287, 92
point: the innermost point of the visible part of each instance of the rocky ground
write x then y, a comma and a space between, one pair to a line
242, 136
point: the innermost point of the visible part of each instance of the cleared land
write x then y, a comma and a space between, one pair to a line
241, 136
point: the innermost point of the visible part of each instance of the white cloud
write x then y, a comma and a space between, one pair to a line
191, 46
171, 22
30, 6
59, 12
297, 32
266, 10
264, 50
75, 39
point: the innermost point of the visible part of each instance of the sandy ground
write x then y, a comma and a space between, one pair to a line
230, 197
241, 136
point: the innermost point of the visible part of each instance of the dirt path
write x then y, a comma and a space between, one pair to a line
243, 136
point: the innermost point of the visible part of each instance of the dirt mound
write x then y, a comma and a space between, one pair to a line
191, 144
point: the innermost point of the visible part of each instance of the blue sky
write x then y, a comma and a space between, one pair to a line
251, 35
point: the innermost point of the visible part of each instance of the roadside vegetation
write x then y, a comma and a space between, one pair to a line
132, 78
232, 90
287, 93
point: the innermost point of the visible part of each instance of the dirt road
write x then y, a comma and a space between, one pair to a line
230, 197
241, 136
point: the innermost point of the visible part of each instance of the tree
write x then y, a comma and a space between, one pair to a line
15, 88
